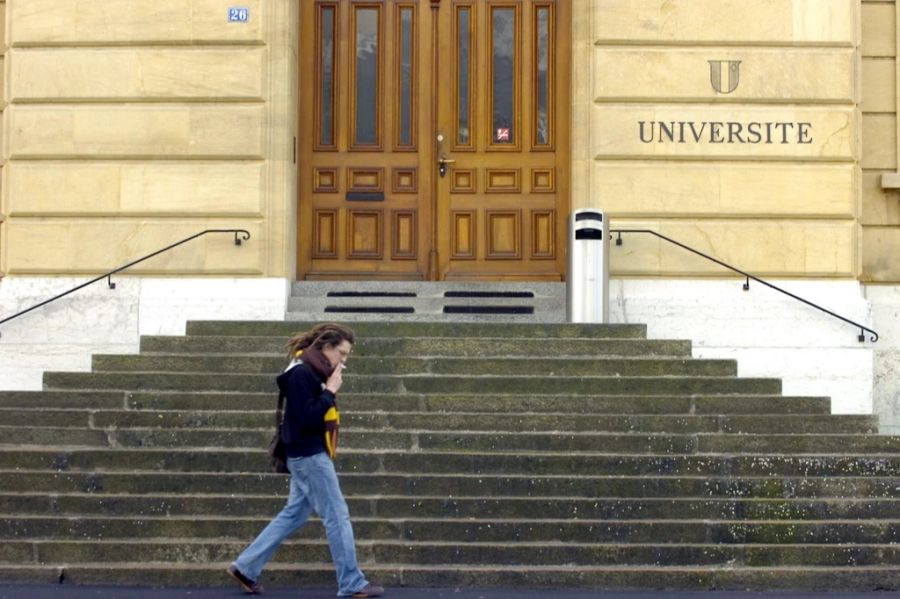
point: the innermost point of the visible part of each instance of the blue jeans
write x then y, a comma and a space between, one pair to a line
314, 486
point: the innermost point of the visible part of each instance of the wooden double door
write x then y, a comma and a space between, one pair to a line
433, 139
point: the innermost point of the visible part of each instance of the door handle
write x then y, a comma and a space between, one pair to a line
443, 161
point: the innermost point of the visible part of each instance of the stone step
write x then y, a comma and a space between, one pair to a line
636, 443
426, 346
747, 578
458, 485
63, 399
426, 288
473, 402
379, 506
435, 306
431, 303
478, 402
567, 367
224, 460
420, 553
461, 530
492, 302
285, 329
397, 421
356, 383
493, 312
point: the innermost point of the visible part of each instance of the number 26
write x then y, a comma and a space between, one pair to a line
238, 14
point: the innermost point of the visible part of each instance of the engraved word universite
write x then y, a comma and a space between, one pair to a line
725, 132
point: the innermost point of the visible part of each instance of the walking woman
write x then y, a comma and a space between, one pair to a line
309, 432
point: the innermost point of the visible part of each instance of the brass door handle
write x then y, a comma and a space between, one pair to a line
443, 161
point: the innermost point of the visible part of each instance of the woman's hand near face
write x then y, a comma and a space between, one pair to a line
336, 379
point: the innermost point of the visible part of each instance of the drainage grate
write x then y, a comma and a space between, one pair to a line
488, 309
488, 294
371, 309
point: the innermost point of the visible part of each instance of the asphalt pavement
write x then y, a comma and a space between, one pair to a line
66, 591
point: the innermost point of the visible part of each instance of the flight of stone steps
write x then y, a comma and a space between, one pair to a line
472, 454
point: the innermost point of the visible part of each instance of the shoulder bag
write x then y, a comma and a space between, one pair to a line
277, 453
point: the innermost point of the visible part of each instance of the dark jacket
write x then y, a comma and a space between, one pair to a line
311, 418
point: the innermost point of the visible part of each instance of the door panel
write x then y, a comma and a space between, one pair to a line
382, 82
508, 140
364, 166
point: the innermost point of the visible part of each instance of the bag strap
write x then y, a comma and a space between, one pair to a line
279, 409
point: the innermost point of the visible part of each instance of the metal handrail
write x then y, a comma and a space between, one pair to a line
748, 276
240, 235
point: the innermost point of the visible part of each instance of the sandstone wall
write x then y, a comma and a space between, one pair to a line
3, 101
131, 124
128, 124
784, 204
881, 183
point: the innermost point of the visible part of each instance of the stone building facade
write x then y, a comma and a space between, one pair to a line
762, 132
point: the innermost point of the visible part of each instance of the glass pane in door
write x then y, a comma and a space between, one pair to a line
542, 75
405, 76
325, 52
503, 75
463, 74
367, 81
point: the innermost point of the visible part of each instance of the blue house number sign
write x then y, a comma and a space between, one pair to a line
238, 14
